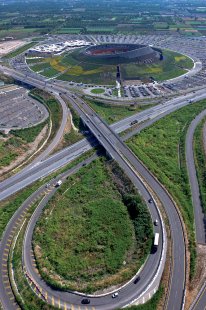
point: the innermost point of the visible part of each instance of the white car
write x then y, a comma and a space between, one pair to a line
115, 295
156, 222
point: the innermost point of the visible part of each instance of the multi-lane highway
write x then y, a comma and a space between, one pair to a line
118, 150
44, 167
131, 165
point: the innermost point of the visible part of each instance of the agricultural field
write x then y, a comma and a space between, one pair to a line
162, 148
103, 29
69, 31
101, 231
136, 17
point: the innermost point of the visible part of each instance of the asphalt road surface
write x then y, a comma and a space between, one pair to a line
55, 297
178, 272
200, 220
42, 168
118, 150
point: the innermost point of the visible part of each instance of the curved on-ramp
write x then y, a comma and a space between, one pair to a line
200, 220
67, 300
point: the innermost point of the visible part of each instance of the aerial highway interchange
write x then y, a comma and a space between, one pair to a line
142, 178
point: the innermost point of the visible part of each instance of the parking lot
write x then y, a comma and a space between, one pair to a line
18, 110
192, 47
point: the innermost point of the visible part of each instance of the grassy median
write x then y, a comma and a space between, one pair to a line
113, 113
162, 148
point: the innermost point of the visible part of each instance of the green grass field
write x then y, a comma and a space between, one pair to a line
11, 204
69, 30
78, 68
172, 65
31, 61
89, 229
97, 91
100, 29
17, 141
162, 148
40, 66
52, 105
200, 162
7, 151
113, 113
28, 135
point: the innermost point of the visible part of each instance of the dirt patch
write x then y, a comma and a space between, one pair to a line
199, 278
24, 152
9, 46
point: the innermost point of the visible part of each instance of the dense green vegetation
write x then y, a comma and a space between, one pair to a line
200, 162
13, 144
8, 207
162, 148
11, 204
28, 134
28, 300
7, 151
76, 134
113, 113
92, 226
52, 105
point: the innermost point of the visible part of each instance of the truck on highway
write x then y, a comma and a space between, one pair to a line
156, 241
58, 183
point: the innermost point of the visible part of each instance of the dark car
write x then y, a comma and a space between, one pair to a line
85, 301
150, 200
136, 280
